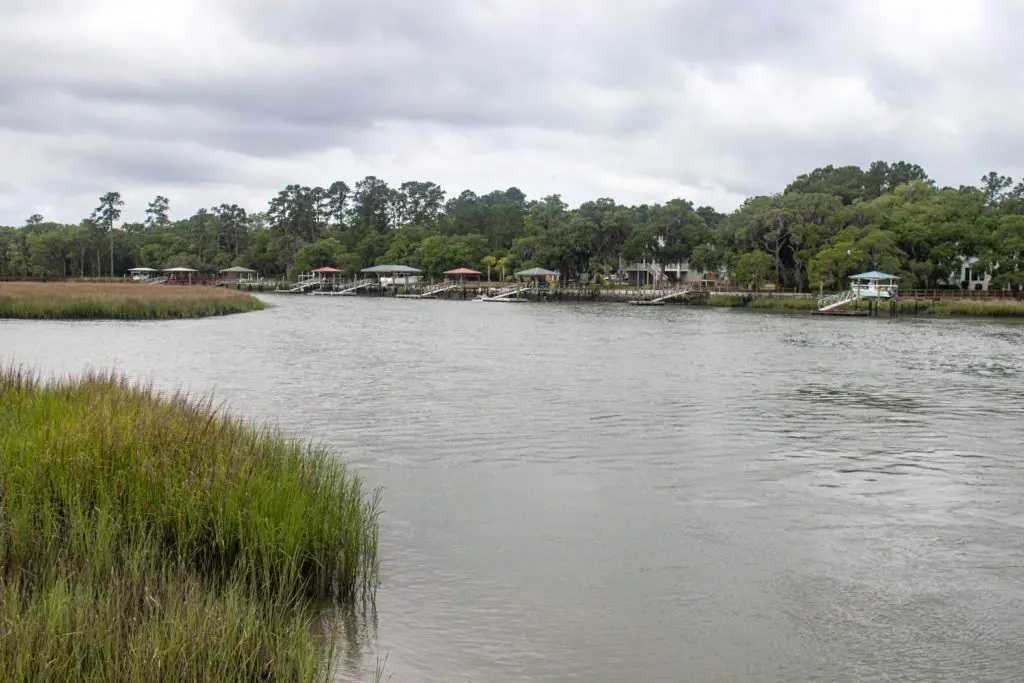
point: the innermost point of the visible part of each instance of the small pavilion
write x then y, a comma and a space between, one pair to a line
538, 275
180, 273
142, 274
327, 275
462, 274
874, 285
239, 274
393, 270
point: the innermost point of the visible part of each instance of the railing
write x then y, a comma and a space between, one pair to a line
506, 292
303, 285
431, 290
961, 294
829, 302
358, 284
684, 292
657, 272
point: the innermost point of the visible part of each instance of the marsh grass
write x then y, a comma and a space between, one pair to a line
120, 301
761, 303
149, 538
784, 303
963, 307
717, 301
905, 307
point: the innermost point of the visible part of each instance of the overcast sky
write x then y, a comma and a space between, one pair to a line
207, 101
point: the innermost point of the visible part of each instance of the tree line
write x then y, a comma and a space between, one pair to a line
824, 226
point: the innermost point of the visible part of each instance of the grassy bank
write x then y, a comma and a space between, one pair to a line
765, 303
120, 301
963, 307
154, 539
905, 307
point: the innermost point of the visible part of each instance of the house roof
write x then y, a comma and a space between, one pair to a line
462, 271
180, 269
238, 269
326, 269
142, 270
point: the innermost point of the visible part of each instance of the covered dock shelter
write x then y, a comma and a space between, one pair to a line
238, 274
393, 270
327, 275
180, 273
874, 285
142, 273
462, 274
538, 275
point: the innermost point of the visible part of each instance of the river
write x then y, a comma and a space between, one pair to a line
601, 493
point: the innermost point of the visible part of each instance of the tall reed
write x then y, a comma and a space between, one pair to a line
159, 535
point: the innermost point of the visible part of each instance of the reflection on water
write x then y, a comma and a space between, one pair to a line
607, 493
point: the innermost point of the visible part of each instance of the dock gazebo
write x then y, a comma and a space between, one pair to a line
236, 274
179, 272
461, 273
327, 274
392, 270
142, 274
874, 285
537, 274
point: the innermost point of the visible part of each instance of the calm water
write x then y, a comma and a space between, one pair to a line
607, 493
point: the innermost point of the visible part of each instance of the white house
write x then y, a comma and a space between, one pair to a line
968, 277
647, 272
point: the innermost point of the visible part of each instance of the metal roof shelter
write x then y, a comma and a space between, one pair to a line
238, 274
461, 273
873, 285
537, 273
874, 275
141, 274
391, 270
181, 269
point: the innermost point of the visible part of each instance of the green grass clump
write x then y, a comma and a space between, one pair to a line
118, 301
727, 301
149, 538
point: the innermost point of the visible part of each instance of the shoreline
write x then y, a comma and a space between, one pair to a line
766, 302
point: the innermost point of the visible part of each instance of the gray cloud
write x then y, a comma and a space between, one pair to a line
710, 99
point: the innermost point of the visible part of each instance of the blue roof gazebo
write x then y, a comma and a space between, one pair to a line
874, 285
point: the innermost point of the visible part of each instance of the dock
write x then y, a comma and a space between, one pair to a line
873, 287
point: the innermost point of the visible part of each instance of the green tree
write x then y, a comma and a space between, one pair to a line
157, 211
754, 269
105, 216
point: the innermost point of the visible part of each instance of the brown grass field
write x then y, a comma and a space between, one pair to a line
119, 301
